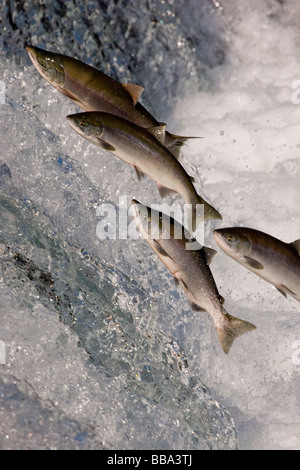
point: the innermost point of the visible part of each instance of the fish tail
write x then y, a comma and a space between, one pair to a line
209, 211
175, 142
231, 329
199, 211
179, 140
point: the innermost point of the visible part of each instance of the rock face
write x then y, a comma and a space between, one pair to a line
158, 44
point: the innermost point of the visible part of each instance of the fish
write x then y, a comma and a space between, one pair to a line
93, 90
190, 269
143, 150
271, 259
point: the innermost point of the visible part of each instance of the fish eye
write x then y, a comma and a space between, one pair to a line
82, 124
229, 238
43, 63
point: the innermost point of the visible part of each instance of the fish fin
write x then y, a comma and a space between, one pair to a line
68, 94
184, 285
289, 291
192, 179
197, 216
163, 191
179, 280
179, 140
253, 263
285, 290
160, 249
281, 290
135, 91
196, 307
159, 132
176, 281
105, 145
139, 173
232, 328
209, 254
296, 246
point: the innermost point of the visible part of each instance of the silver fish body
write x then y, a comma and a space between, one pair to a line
273, 260
190, 269
92, 90
138, 147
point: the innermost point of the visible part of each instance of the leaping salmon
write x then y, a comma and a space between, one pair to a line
92, 90
190, 269
144, 151
271, 259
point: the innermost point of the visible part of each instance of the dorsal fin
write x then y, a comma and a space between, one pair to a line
135, 91
296, 246
159, 132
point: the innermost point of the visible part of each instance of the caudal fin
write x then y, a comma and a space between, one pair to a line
231, 329
199, 211
175, 142
209, 211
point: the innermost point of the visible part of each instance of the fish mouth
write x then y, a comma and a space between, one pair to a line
54, 74
220, 239
32, 55
71, 121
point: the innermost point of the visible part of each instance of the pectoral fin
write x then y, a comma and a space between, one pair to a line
134, 91
164, 192
160, 249
196, 307
285, 290
281, 291
253, 263
105, 145
68, 94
